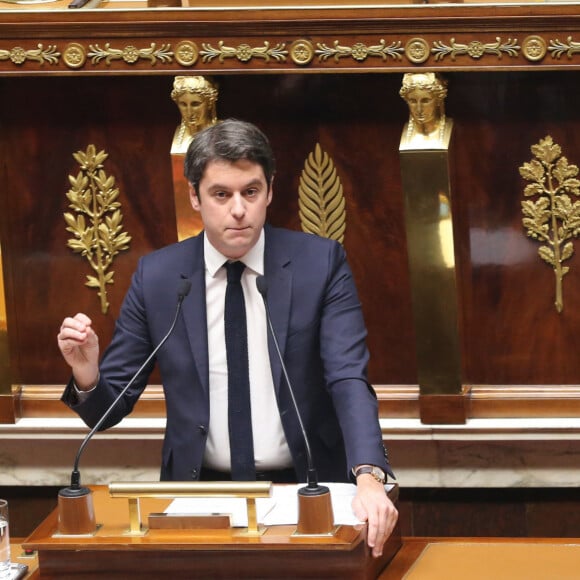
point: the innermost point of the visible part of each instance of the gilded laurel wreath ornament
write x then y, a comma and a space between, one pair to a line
96, 219
321, 201
553, 218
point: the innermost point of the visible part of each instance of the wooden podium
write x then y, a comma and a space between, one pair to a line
114, 554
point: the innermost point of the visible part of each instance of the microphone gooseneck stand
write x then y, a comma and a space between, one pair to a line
76, 513
315, 516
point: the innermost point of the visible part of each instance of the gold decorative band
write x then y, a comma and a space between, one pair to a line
301, 52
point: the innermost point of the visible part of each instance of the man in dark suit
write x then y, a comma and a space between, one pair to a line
316, 316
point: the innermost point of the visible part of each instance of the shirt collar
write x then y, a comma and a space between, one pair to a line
254, 259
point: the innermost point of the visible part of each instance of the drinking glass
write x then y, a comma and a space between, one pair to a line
4, 541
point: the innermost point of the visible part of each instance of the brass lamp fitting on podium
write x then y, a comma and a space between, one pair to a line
250, 490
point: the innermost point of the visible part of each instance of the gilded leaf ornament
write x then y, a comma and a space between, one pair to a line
41, 55
552, 218
130, 54
360, 51
568, 48
475, 49
95, 220
321, 201
244, 52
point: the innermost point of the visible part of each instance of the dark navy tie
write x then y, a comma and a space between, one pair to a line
239, 407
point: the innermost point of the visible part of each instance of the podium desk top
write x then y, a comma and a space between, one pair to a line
112, 515
29, 559
200, 553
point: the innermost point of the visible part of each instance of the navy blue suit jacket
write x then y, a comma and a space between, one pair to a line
318, 321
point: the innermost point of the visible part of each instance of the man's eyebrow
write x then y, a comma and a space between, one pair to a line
253, 182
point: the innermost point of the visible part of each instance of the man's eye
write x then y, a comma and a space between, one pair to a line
251, 192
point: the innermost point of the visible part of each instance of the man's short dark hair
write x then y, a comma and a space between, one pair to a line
229, 140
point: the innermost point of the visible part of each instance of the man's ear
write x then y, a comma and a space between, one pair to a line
193, 197
271, 190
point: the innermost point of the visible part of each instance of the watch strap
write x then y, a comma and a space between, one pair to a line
373, 470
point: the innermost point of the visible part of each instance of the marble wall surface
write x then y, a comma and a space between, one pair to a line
483, 453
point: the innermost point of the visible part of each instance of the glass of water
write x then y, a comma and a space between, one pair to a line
4, 541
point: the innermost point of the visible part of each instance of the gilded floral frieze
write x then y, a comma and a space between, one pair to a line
412, 52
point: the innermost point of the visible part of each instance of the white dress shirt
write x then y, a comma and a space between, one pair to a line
270, 447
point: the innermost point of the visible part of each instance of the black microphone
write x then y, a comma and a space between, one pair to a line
315, 514
312, 478
75, 487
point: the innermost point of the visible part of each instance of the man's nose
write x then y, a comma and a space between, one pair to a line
238, 206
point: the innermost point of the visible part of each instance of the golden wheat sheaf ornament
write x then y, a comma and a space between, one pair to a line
321, 202
96, 220
553, 218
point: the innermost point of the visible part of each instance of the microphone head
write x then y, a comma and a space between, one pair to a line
262, 285
184, 288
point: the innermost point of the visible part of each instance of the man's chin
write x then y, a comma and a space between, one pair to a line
238, 245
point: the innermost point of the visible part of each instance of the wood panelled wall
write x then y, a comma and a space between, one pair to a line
356, 119
510, 331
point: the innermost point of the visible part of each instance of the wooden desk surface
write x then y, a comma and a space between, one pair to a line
203, 553
17, 554
485, 558
417, 559
449, 558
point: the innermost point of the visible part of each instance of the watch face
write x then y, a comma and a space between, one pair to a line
379, 474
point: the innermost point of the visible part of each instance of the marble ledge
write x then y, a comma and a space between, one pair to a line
392, 429
482, 453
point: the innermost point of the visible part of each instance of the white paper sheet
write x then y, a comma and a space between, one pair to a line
279, 509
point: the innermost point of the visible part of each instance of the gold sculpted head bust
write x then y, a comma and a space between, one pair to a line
195, 97
425, 94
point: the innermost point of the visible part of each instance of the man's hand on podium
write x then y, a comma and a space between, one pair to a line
372, 505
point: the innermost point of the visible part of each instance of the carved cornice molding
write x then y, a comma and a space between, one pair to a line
287, 40
210, 56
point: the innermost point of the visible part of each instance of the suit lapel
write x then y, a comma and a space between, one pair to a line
279, 277
194, 311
